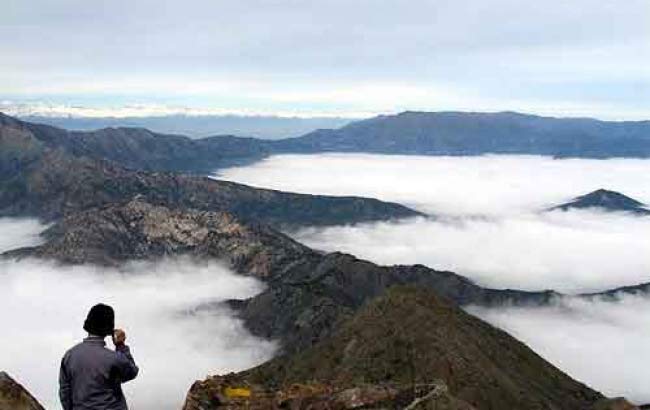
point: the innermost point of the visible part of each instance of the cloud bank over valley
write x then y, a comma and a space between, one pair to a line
43, 305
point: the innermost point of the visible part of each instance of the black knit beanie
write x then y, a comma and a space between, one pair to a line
100, 320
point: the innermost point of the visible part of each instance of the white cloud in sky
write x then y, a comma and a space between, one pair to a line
577, 58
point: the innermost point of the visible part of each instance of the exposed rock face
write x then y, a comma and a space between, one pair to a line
216, 392
410, 337
43, 178
606, 200
307, 292
13, 396
467, 133
139, 230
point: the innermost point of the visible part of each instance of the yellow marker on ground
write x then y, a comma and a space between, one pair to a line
237, 392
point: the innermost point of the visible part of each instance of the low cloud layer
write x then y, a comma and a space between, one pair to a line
577, 251
42, 308
490, 227
490, 185
490, 224
16, 233
602, 343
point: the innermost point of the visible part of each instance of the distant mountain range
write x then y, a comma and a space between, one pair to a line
463, 133
199, 126
412, 133
606, 200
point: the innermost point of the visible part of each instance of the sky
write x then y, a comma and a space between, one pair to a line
489, 223
334, 57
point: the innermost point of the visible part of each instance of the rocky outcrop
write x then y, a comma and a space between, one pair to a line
234, 392
606, 200
138, 230
409, 337
13, 396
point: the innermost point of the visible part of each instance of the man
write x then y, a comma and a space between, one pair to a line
91, 375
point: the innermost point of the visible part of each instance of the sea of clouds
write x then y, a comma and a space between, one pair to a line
43, 306
489, 223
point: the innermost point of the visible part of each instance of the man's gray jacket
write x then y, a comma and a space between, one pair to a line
91, 376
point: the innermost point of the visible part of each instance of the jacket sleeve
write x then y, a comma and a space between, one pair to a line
65, 387
126, 367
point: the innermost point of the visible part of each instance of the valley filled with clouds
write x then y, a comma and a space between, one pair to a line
490, 222
43, 306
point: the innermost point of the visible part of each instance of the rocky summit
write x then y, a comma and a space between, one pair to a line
14, 396
405, 349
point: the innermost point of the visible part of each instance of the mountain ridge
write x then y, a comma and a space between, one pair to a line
467, 133
46, 179
393, 346
409, 133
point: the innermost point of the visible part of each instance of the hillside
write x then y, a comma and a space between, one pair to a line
466, 133
410, 337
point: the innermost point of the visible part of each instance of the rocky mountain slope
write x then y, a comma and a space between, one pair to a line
606, 200
14, 396
307, 293
466, 133
397, 345
38, 180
